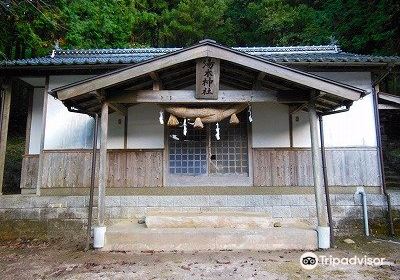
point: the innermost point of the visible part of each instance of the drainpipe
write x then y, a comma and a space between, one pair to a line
380, 152
92, 181
93, 172
328, 200
361, 191
325, 174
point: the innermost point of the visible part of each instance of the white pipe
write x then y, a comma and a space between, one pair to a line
361, 191
99, 233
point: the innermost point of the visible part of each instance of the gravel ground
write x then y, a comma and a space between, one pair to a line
61, 260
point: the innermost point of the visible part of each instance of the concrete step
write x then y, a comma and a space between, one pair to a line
240, 220
131, 236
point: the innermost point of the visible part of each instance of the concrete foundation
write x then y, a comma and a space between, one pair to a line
131, 236
31, 216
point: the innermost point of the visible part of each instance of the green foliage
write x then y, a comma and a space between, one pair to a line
13, 164
30, 27
98, 24
283, 24
364, 26
193, 20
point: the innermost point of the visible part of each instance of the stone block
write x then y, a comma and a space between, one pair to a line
306, 200
236, 200
10, 214
289, 200
113, 212
376, 200
128, 212
199, 200
299, 211
15, 201
148, 201
182, 200
395, 198
312, 211
272, 200
30, 214
343, 199
281, 212
254, 200
167, 201
49, 213
48, 201
112, 201
218, 200
76, 201
128, 201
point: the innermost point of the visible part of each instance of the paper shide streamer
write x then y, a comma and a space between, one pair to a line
217, 136
161, 118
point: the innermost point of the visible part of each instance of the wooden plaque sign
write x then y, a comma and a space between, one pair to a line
207, 78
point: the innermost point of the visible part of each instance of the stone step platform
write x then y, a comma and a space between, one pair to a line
131, 236
235, 219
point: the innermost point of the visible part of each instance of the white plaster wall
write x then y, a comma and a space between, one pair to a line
270, 126
144, 128
64, 129
36, 121
356, 127
116, 124
301, 130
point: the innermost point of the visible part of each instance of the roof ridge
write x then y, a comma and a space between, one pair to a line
276, 49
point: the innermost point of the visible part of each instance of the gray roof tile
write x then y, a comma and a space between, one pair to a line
298, 54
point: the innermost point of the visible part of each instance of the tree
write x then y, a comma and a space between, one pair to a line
99, 24
193, 20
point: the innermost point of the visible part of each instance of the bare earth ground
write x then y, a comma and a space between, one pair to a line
61, 260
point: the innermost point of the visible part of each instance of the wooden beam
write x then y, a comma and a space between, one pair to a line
119, 108
42, 136
257, 82
389, 97
141, 85
188, 96
103, 168
29, 121
298, 108
184, 79
265, 83
172, 73
157, 83
295, 96
5, 117
388, 107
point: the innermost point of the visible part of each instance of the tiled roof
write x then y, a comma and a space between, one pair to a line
300, 54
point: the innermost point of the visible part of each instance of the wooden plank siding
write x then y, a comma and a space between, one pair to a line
144, 168
29, 172
293, 167
126, 168
135, 168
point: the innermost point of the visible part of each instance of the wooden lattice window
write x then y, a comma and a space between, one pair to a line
200, 153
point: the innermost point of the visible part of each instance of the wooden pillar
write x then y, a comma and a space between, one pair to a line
103, 170
323, 228
42, 136
5, 117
